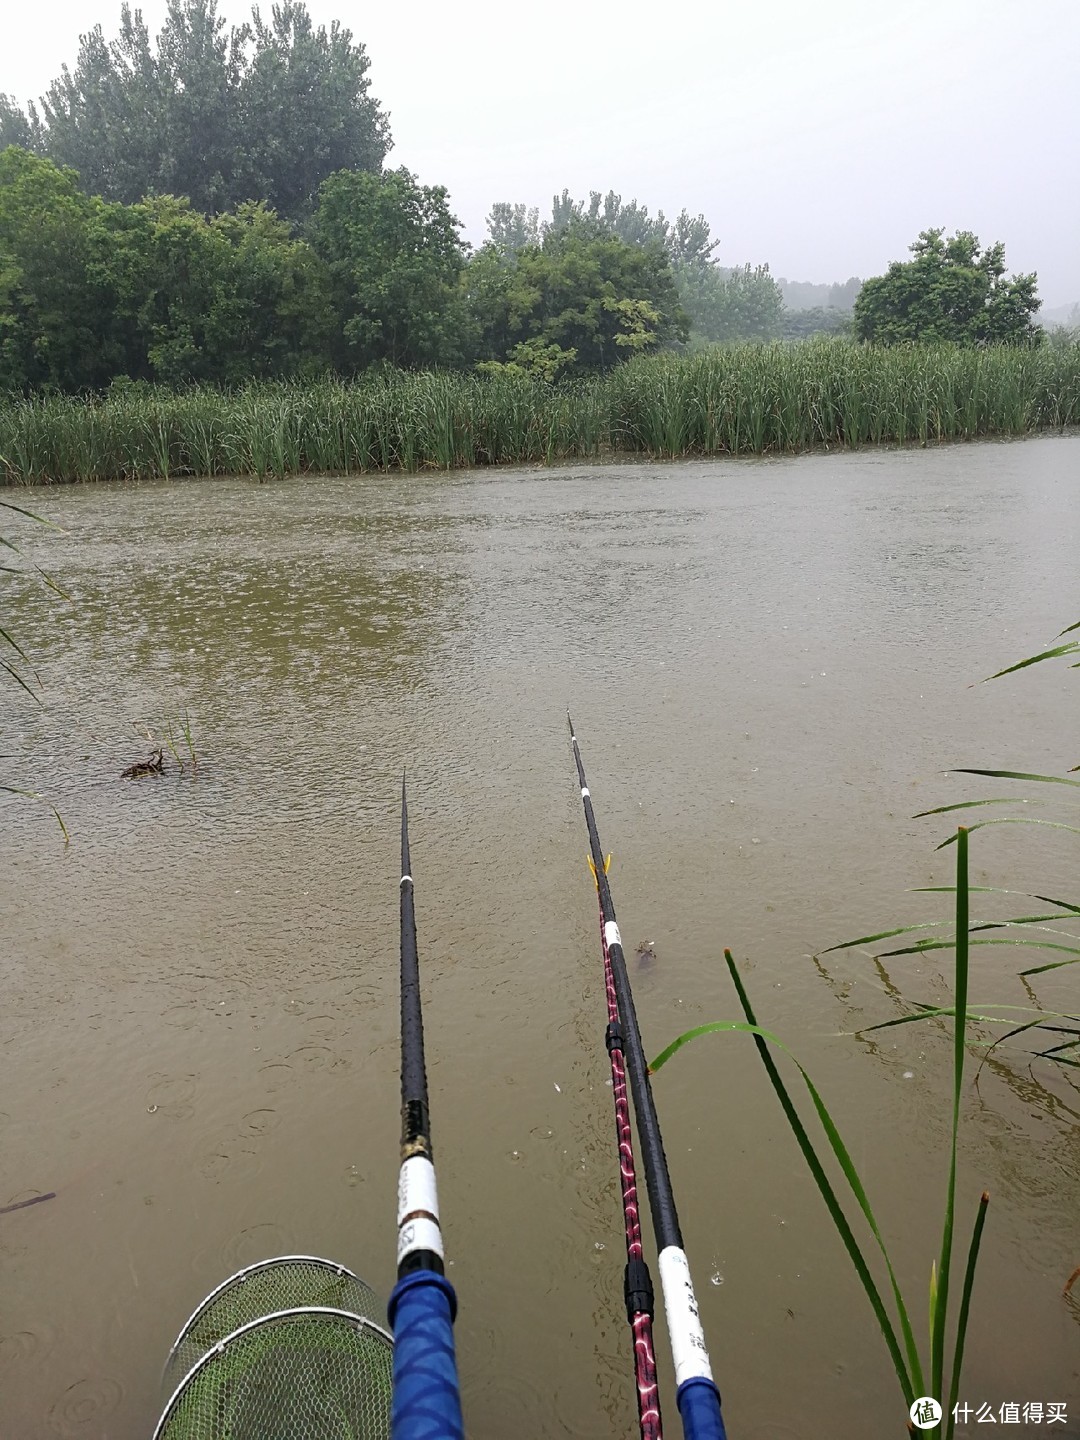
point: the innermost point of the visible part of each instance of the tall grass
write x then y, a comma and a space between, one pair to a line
743, 400
941, 1380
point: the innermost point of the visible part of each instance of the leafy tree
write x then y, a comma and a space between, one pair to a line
395, 261
740, 304
580, 301
819, 320
951, 291
843, 296
91, 290
18, 127
512, 227
51, 316
306, 110
722, 305
686, 240
261, 111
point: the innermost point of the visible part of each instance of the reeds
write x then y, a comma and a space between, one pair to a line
739, 400
941, 1381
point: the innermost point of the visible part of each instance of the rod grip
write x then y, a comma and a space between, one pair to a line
698, 1400
426, 1403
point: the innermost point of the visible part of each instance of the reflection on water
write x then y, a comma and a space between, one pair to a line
768, 664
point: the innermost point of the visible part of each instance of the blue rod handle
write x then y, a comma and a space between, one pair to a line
698, 1400
426, 1403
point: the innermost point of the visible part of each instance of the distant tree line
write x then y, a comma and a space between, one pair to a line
213, 205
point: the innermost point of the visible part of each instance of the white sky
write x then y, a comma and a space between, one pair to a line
819, 135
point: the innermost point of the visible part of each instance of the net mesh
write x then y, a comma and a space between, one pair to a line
288, 1349
285, 1283
304, 1375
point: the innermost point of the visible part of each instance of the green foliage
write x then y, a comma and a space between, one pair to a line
222, 116
91, 290
902, 1347
395, 261
582, 291
512, 227
739, 400
725, 306
722, 305
802, 324
1037, 932
951, 291
16, 126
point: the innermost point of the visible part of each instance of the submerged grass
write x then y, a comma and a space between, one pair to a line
1039, 932
742, 400
902, 1347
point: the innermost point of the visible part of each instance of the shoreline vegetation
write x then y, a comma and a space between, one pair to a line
738, 400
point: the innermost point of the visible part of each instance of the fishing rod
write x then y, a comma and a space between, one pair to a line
637, 1282
426, 1401
696, 1394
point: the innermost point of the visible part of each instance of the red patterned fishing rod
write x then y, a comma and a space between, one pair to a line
696, 1394
637, 1282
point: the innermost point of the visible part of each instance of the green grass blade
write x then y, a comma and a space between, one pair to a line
34, 795
1018, 775
1069, 629
976, 890
20, 681
926, 945
965, 1311
1016, 820
970, 805
883, 935
909, 1374
1051, 965
7, 504
941, 1305
1065, 904
1054, 1050
1068, 649
978, 1016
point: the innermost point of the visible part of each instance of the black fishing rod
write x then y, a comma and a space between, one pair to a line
426, 1401
696, 1393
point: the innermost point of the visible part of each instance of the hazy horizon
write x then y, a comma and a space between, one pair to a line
818, 141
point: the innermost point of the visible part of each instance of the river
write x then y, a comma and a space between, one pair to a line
770, 665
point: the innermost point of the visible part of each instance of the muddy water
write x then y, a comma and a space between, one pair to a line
769, 666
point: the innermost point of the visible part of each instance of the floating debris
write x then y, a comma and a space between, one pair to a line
22, 1204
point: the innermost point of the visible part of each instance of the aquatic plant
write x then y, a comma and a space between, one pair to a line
1037, 931
916, 1382
738, 400
17, 665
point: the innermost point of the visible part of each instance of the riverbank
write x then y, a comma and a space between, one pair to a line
742, 400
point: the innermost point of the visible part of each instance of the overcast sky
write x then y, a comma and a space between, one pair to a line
817, 135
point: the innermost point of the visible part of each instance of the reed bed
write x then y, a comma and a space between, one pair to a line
742, 400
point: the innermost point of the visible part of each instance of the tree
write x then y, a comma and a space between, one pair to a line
581, 301
306, 111
395, 261
54, 327
91, 290
261, 111
722, 305
843, 296
17, 127
801, 324
728, 305
512, 227
951, 291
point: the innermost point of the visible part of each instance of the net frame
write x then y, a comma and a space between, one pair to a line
361, 1324
241, 1277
